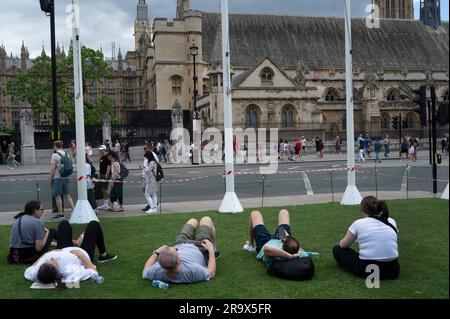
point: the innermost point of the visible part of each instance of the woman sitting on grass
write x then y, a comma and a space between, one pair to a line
71, 263
376, 235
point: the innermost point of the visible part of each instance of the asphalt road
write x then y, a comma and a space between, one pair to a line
207, 183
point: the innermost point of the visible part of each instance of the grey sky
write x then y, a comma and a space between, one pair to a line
105, 21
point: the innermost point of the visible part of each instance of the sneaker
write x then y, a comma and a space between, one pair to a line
248, 247
103, 207
58, 216
152, 211
217, 254
108, 257
146, 208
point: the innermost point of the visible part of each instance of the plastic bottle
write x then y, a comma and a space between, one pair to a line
308, 254
160, 284
97, 279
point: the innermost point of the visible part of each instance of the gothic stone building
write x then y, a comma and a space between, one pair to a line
289, 71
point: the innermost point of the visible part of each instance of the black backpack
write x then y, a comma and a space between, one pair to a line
159, 173
123, 171
66, 168
293, 269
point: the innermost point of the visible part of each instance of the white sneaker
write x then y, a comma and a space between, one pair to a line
103, 207
248, 247
151, 211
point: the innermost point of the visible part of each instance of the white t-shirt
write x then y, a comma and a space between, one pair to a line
377, 241
70, 266
89, 182
56, 160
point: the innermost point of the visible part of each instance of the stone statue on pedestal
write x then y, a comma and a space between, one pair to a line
28, 151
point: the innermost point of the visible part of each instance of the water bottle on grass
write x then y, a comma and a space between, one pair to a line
160, 284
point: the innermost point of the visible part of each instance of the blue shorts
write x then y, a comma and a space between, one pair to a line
262, 235
60, 187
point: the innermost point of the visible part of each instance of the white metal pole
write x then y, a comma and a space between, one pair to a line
351, 195
83, 212
230, 202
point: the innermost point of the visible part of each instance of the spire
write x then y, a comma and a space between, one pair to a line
142, 12
120, 61
2, 58
23, 57
43, 51
430, 13
63, 53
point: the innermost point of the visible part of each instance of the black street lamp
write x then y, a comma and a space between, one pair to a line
48, 6
194, 52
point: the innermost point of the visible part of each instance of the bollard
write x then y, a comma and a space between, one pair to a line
332, 187
38, 190
376, 181
160, 197
407, 181
263, 186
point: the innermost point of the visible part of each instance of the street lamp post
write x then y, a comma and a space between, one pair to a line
48, 6
196, 131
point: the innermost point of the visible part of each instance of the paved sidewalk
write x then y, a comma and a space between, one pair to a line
213, 205
134, 165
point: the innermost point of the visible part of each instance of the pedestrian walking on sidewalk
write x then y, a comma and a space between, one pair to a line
116, 183
151, 185
104, 175
59, 177
73, 148
378, 147
338, 145
11, 157
319, 147
386, 142
361, 150
90, 175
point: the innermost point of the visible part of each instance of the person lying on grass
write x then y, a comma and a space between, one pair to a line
376, 235
70, 263
191, 259
270, 247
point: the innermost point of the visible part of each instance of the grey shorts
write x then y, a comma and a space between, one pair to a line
60, 187
189, 236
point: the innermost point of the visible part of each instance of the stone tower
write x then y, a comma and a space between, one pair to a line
430, 12
3, 56
182, 7
141, 25
24, 56
396, 9
120, 60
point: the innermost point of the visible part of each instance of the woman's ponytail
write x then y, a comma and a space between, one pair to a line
382, 207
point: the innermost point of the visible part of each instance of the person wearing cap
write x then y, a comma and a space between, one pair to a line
105, 172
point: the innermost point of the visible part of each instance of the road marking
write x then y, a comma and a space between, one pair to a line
17, 192
295, 167
404, 179
309, 189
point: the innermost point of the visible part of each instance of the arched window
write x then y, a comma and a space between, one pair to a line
267, 75
251, 117
331, 95
176, 84
409, 121
445, 96
392, 95
385, 119
287, 117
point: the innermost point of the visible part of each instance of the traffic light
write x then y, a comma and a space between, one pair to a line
421, 99
395, 122
45, 5
442, 114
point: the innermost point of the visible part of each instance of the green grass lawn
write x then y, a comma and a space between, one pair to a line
423, 244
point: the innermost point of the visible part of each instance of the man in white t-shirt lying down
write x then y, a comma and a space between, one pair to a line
376, 235
71, 263
191, 259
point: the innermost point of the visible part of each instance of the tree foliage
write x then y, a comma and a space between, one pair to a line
35, 86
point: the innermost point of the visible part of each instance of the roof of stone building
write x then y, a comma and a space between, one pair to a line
319, 42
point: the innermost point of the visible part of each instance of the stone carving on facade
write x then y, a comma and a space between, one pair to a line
370, 83
177, 114
332, 72
27, 127
380, 73
429, 81
404, 73
301, 72
356, 72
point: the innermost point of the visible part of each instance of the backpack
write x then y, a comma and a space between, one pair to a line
159, 173
66, 168
123, 171
293, 269
93, 172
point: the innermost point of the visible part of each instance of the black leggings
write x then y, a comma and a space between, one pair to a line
93, 236
350, 261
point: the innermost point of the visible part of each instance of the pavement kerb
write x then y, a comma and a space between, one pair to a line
165, 167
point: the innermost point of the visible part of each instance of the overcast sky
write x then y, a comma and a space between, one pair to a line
107, 21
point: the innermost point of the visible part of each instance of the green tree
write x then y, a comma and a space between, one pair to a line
34, 86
